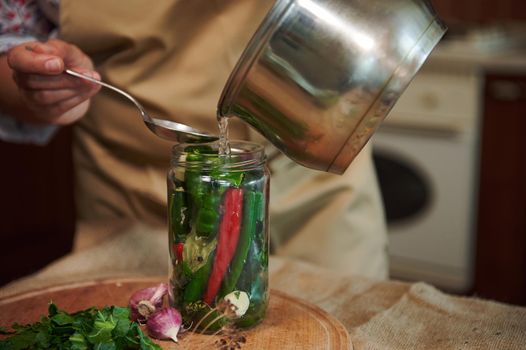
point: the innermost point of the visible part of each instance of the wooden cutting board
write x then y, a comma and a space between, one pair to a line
290, 322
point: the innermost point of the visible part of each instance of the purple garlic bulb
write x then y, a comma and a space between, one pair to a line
164, 324
145, 302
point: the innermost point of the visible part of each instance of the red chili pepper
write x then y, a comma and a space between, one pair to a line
228, 236
178, 251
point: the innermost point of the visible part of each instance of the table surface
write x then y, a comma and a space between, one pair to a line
377, 314
287, 317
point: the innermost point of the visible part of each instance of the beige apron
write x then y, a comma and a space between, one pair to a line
175, 56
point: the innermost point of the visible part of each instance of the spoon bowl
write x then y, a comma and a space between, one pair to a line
165, 129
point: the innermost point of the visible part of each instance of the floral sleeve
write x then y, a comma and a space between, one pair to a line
22, 21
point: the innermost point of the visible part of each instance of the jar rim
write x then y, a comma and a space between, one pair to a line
243, 155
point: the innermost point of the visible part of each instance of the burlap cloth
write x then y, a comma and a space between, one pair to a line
377, 314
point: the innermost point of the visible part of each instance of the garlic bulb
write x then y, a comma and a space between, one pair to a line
240, 302
164, 324
146, 301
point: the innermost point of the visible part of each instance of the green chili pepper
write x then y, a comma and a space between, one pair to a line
178, 218
253, 209
194, 185
207, 217
195, 189
195, 288
255, 268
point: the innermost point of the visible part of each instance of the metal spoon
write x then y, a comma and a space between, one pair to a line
166, 129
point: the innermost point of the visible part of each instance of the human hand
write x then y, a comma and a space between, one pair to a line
52, 96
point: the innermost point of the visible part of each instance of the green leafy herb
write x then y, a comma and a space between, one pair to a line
108, 328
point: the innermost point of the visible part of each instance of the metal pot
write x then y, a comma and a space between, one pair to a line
319, 76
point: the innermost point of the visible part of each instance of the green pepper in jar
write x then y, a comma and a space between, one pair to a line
178, 215
195, 288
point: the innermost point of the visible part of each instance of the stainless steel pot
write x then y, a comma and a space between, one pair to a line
319, 76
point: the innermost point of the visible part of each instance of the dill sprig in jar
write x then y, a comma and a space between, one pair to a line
218, 234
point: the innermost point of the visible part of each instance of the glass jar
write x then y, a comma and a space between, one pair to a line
218, 229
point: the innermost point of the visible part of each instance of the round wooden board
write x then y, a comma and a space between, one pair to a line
290, 323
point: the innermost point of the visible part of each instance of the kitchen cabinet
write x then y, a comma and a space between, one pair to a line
501, 239
480, 10
37, 209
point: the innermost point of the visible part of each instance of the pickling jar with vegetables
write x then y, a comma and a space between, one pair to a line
218, 234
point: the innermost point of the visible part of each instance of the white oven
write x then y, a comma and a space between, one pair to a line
426, 154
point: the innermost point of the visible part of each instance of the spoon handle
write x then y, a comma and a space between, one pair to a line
144, 115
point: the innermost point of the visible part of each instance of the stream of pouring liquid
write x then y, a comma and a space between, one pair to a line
224, 146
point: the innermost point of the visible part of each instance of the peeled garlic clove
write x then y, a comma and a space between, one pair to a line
239, 300
146, 301
164, 324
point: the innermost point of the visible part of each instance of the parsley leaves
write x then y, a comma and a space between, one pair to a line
108, 328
